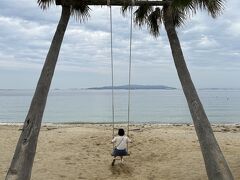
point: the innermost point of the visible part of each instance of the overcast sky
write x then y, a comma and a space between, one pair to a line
211, 48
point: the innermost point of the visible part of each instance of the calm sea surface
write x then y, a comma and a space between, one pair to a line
147, 106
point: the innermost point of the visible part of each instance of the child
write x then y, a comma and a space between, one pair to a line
120, 145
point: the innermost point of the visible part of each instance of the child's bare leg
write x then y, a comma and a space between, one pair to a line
121, 158
114, 159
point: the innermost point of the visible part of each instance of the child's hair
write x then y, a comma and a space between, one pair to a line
121, 132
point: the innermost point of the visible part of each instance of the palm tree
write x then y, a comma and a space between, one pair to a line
173, 15
22, 162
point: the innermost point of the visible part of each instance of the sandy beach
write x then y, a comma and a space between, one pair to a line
82, 151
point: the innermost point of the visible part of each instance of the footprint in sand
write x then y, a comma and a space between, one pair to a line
62, 176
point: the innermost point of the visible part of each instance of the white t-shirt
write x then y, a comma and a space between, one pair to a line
121, 142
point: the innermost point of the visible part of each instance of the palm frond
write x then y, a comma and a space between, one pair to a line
181, 3
180, 11
44, 4
154, 21
80, 12
179, 17
189, 6
142, 13
214, 7
124, 9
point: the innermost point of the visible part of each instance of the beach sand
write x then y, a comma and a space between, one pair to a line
163, 152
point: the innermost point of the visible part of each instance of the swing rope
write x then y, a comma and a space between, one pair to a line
130, 69
112, 67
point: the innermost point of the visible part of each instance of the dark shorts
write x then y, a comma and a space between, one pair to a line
117, 152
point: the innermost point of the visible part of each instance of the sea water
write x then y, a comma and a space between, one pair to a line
95, 106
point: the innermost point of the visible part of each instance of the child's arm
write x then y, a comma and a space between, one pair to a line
114, 140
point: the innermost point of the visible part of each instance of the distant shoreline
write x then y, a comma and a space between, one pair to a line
79, 89
134, 87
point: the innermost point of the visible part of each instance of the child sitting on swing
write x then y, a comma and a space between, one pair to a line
120, 145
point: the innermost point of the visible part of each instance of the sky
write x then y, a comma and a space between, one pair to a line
211, 49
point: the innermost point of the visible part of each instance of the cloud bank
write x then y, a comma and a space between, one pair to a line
210, 46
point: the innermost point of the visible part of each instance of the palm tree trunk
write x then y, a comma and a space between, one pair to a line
22, 162
215, 163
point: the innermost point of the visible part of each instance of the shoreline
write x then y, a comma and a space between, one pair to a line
116, 123
232, 128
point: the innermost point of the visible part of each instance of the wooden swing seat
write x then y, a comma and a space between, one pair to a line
128, 154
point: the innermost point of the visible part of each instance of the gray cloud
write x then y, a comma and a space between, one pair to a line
26, 32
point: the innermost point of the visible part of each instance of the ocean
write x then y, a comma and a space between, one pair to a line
147, 106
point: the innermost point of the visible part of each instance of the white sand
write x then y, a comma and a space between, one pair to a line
163, 152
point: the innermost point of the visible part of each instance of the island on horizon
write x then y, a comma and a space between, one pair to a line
134, 87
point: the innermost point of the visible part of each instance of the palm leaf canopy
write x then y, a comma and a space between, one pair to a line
79, 11
180, 11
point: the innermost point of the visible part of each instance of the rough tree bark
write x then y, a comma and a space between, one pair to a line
215, 163
22, 162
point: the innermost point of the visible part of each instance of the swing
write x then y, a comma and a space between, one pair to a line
129, 81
